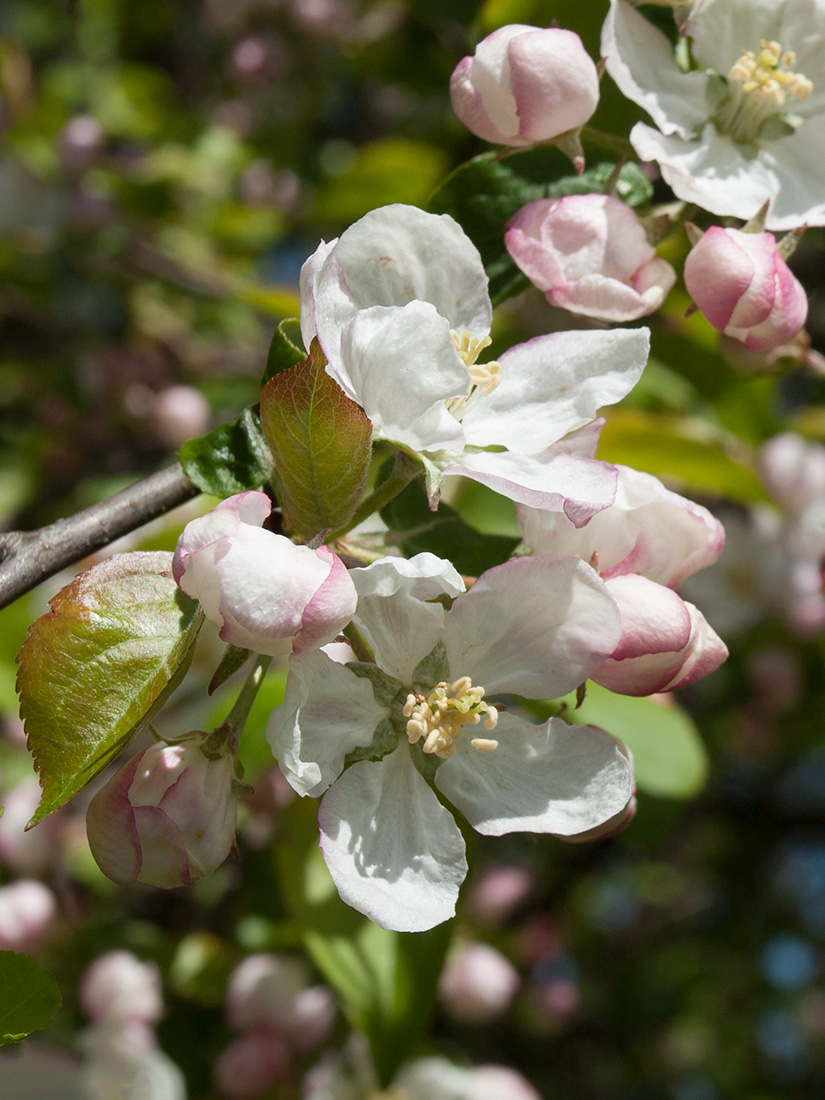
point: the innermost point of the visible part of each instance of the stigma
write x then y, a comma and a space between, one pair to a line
484, 377
438, 718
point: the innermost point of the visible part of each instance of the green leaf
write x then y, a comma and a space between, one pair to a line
443, 533
386, 980
231, 459
285, 350
665, 445
483, 194
234, 658
30, 997
321, 442
99, 665
669, 758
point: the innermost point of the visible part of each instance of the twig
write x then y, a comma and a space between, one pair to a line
29, 557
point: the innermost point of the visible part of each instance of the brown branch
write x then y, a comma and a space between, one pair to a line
29, 557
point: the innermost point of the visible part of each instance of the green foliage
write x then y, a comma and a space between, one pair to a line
98, 666
30, 997
386, 980
320, 440
232, 458
285, 349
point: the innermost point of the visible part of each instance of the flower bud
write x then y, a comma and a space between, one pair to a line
272, 992
119, 988
793, 471
477, 984
27, 909
666, 643
251, 1064
744, 287
525, 84
589, 254
167, 818
264, 592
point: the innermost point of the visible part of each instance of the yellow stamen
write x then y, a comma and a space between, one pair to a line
767, 76
438, 718
484, 377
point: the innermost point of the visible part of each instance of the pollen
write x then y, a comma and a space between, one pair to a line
767, 75
438, 718
484, 377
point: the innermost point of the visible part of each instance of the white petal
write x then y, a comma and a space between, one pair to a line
327, 712
535, 626
309, 275
403, 366
721, 31
557, 479
555, 384
640, 60
393, 611
394, 853
552, 778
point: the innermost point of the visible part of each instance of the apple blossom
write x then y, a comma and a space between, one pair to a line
477, 983
590, 255
28, 910
524, 85
401, 309
118, 988
167, 817
264, 592
744, 287
643, 546
394, 851
744, 124
274, 992
125, 1061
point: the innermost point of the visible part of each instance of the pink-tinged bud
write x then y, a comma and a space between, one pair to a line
498, 892
264, 592
793, 471
27, 911
589, 254
525, 84
263, 990
118, 988
27, 853
179, 413
666, 643
744, 287
251, 1065
167, 818
477, 984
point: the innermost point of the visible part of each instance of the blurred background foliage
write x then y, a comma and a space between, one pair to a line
165, 168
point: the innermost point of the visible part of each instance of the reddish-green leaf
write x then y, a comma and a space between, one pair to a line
99, 665
320, 441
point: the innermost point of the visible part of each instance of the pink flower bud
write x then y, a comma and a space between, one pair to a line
251, 1064
167, 818
525, 84
118, 988
666, 643
793, 471
28, 853
589, 254
744, 287
498, 892
272, 992
264, 592
27, 910
477, 984
179, 413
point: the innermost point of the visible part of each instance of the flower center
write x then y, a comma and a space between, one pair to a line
484, 377
758, 86
439, 717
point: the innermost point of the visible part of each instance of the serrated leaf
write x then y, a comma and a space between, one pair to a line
98, 666
386, 980
321, 443
669, 758
443, 533
231, 459
483, 194
30, 997
285, 350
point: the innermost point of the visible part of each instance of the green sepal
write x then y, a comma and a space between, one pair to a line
285, 349
321, 444
384, 741
231, 459
431, 670
387, 691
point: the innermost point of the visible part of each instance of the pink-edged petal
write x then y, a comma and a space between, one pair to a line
554, 82
394, 853
394, 610
165, 862
330, 609
468, 105
110, 827
535, 626
607, 299
554, 384
654, 618
327, 712
557, 479
552, 778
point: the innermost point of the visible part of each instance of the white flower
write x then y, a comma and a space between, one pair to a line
748, 124
401, 309
536, 627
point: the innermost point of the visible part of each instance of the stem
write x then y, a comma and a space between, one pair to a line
405, 470
29, 557
233, 724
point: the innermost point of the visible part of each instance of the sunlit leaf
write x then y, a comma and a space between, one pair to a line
231, 459
29, 997
285, 349
99, 665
